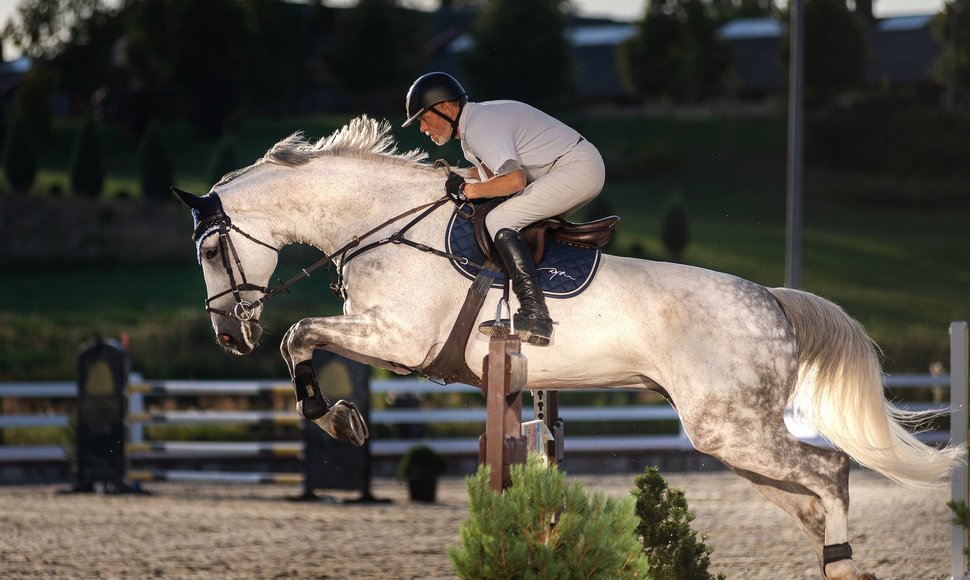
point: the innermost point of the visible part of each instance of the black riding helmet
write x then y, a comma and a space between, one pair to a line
428, 91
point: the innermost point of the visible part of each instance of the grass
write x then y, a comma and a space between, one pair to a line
898, 270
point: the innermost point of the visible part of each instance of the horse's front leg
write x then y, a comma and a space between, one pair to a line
342, 420
360, 337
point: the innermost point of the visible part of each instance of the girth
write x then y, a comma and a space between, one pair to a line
594, 235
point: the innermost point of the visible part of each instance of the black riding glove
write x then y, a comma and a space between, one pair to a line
455, 187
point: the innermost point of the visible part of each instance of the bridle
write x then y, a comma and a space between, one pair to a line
218, 222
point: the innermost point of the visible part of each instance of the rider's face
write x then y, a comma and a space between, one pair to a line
434, 126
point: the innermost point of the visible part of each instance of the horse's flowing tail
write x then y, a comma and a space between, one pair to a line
839, 392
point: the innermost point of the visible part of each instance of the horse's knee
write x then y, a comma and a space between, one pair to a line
285, 343
297, 340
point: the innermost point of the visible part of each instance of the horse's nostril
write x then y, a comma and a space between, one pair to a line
226, 339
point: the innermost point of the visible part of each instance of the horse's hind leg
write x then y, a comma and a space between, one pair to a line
806, 509
808, 482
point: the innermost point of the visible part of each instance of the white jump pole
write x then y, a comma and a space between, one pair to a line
958, 433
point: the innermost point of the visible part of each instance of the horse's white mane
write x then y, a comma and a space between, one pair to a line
361, 138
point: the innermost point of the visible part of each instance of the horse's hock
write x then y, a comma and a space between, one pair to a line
507, 440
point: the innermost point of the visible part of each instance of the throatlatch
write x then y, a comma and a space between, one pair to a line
310, 401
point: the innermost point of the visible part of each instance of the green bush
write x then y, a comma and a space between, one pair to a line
508, 535
675, 233
224, 160
638, 250
422, 463
19, 157
961, 517
154, 166
674, 550
87, 163
33, 102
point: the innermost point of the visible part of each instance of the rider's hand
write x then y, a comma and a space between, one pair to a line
455, 187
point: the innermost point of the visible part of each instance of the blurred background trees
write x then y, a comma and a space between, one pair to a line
675, 53
520, 52
119, 100
212, 63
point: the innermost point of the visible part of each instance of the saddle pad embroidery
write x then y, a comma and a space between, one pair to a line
565, 270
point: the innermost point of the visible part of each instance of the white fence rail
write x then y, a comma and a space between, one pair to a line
571, 414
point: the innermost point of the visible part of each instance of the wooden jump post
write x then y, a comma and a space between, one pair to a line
505, 372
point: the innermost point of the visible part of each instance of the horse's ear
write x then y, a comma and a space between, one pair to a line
189, 199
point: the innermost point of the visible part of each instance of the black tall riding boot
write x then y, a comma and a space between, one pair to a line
531, 322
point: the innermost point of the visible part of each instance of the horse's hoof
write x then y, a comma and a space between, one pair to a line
846, 570
344, 422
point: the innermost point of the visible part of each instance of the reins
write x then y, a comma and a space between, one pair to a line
338, 286
244, 310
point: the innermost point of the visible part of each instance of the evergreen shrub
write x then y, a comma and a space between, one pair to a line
508, 535
639, 251
961, 517
87, 163
421, 462
33, 101
674, 550
676, 232
19, 157
154, 166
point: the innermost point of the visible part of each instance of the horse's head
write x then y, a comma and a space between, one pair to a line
237, 264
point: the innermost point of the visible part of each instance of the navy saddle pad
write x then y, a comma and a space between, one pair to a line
565, 270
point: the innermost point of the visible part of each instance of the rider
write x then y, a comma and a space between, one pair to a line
546, 167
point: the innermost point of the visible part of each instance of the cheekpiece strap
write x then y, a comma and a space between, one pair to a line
836, 552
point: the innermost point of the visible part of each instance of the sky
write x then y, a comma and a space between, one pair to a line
617, 9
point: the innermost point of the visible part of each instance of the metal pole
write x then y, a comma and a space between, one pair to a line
793, 225
950, 95
958, 436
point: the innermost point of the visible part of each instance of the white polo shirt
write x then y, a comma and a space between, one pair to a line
500, 137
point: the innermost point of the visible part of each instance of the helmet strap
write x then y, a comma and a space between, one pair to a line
453, 122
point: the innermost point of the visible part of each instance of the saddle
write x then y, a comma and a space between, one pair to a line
449, 364
593, 235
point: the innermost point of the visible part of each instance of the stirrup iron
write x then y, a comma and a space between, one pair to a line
500, 326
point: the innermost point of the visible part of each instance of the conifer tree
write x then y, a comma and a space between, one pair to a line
87, 163
508, 535
673, 548
520, 52
154, 166
675, 233
19, 157
33, 101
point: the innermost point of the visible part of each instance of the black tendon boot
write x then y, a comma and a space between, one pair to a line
531, 322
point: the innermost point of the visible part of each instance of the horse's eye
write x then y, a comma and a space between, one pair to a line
210, 253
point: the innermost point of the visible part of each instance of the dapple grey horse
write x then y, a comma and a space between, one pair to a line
728, 354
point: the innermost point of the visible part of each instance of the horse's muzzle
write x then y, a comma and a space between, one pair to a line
243, 341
